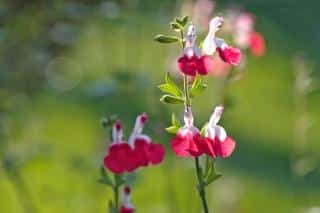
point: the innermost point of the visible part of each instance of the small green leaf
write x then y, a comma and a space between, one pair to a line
172, 129
182, 21
171, 89
213, 175
119, 180
176, 26
105, 179
168, 99
171, 82
166, 39
203, 129
174, 121
197, 86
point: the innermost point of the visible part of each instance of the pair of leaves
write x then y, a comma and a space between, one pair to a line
175, 95
175, 125
106, 179
210, 174
177, 25
198, 86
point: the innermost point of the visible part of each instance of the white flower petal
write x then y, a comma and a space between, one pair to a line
215, 24
216, 115
209, 45
191, 36
220, 133
210, 132
220, 43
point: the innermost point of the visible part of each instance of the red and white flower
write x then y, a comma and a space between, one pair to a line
216, 141
245, 35
127, 206
138, 152
228, 54
187, 142
195, 61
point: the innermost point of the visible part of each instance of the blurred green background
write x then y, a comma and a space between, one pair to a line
66, 64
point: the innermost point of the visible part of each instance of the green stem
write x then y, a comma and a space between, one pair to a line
116, 193
187, 103
201, 186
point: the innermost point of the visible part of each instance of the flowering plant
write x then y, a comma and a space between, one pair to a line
212, 140
125, 157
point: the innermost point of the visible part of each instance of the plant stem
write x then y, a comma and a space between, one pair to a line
187, 103
116, 193
201, 186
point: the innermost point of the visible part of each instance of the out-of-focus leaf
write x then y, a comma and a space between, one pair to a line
108, 121
182, 21
197, 86
166, 39
169, 88
174, 121
168, 99
172, 129
105, 179
176, 26
171, 82
212, 174
203, 129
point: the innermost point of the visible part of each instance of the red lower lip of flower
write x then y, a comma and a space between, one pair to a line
204, 64
230, 55
126, 210
187, 145
188, 65
257, 44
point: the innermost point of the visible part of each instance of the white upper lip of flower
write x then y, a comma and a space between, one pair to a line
213, 130
137, 130
188, 124
211, 43
191, 49
116, 134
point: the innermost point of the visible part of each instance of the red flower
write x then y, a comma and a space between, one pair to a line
216, 142
230, 55
115, 160
139, 151
188, 65
204, 64
257, 44
187, 142
147, 152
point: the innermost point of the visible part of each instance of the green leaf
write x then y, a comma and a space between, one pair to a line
166, 39
197, 86
176, 26
105, 179
182, 21
168, 99
171, 89
174, 121
171, 82
119, 179
212, 174
172, 129
203, 129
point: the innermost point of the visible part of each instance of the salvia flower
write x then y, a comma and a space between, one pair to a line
245, 35
216, 141
139, 151
189, 143
127, 206
195, 61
